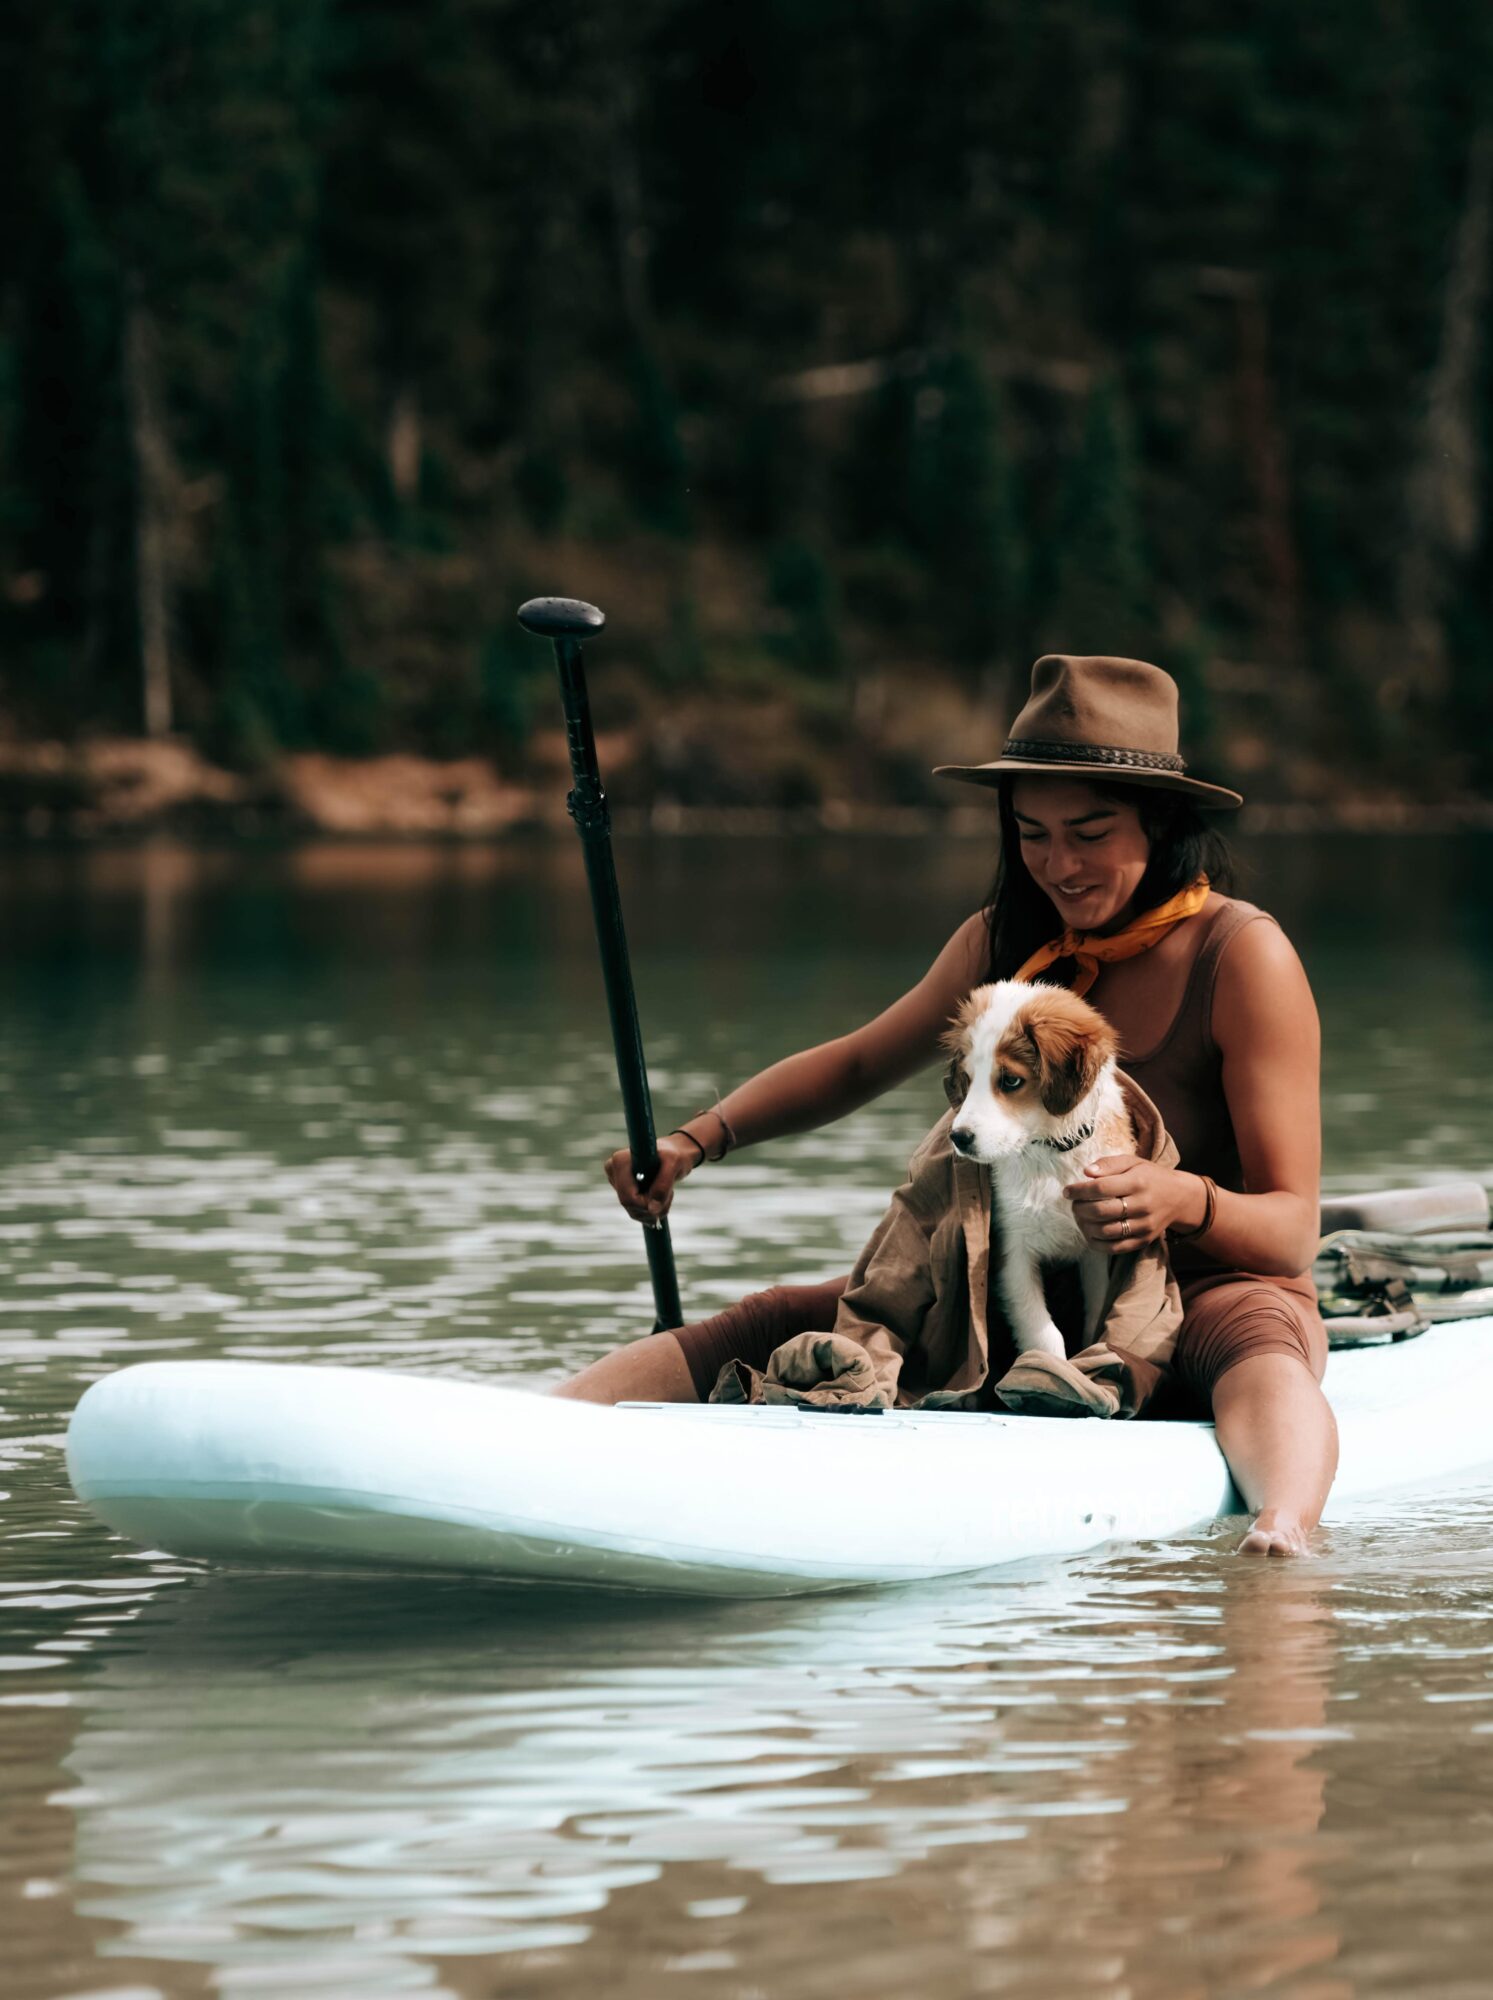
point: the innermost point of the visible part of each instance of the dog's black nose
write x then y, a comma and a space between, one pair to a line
961, 1138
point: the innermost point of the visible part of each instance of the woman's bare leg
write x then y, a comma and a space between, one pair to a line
666, 1367
650, 1370
1278, 1433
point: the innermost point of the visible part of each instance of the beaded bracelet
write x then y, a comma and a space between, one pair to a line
1210, 1205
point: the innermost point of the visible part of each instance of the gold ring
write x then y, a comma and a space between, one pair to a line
1124, 1228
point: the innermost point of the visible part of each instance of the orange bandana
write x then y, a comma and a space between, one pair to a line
1148, 929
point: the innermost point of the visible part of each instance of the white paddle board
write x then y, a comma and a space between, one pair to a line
302, 1466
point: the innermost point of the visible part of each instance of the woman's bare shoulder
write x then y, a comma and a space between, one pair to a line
1250, 941
1261, 982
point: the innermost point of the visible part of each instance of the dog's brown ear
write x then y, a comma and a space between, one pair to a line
956, 1035
1073, 1043
955, 1039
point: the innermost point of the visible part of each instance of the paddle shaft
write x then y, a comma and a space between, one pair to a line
587, 804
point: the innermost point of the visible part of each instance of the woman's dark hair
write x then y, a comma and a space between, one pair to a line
1019, 916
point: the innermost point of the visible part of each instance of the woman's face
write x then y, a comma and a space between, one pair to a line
1086, 852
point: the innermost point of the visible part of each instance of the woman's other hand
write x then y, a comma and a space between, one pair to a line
1124, 1201
677, 1156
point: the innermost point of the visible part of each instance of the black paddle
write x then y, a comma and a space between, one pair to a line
567, 621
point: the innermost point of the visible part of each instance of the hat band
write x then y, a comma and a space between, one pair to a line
1033, 752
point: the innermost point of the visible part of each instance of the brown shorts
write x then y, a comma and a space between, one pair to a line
1231, 1316
1228, 1317
754, 1326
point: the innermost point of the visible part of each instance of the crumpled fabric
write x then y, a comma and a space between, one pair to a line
918, 1308
824, 1370
1446, 1275
1096, 1382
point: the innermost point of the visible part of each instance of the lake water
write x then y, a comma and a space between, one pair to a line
349, 1104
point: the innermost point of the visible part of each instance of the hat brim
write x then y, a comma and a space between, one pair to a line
1217, 797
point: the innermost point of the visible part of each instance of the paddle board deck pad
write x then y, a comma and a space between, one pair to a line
291, 1466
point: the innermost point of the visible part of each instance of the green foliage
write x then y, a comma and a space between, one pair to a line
656, 457
680, 661
513, 680
804, 629
541, 488
1134, 312
964, 515
1098, 587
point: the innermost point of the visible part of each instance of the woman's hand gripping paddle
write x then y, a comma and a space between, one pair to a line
567, 622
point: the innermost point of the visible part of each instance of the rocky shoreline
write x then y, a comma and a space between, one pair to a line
121, 788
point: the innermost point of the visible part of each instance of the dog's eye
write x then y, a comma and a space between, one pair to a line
1008, 1082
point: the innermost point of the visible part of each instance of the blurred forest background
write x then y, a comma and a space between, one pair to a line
849, 353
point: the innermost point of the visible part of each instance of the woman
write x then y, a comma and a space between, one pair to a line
1109, 881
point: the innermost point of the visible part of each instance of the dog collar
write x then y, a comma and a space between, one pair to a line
1067, 1145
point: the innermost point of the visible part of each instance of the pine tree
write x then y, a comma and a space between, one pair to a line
1097, 597
963, 511
411, 99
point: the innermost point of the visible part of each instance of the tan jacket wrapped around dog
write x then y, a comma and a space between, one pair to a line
913, 1326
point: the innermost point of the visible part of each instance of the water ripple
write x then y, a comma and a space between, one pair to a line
253, 1126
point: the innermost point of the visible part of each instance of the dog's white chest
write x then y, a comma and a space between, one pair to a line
1028, 1197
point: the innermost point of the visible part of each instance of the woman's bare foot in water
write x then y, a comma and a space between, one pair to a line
1275, 1534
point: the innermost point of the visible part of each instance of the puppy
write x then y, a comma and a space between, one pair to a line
1033, 1082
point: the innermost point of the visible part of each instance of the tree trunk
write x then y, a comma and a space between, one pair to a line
406, 443
1444, 509
1265, 450
152, 541
629, 221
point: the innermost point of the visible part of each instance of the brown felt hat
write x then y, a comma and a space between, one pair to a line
1094, 717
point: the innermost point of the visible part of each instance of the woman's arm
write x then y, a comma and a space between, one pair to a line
1265, 1025
1266, 1028
821, 1084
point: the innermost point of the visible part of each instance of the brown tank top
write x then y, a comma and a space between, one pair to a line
1183, 1073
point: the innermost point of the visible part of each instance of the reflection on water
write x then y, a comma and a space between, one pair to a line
1126, 1772
496, 1780
348, 1104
